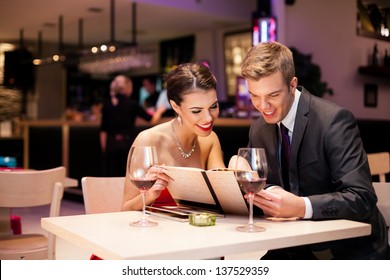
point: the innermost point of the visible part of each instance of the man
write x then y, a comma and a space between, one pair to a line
327, 174
117, 130
150, 86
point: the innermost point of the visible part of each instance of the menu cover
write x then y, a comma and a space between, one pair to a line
215, 189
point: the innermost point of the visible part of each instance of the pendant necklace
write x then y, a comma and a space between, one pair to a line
183, 153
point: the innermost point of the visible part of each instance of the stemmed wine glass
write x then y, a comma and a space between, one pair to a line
139, 166
251, 173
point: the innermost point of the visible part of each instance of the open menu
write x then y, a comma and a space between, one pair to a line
195, 189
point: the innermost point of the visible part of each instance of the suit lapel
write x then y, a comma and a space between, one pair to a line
299, 130
271, 144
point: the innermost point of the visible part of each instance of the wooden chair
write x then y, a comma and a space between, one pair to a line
382, 191
102, 194
379, 164
29, 189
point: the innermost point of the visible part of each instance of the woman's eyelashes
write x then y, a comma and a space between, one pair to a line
214, 106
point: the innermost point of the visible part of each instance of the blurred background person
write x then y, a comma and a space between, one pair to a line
117, 133
149, 84
163, 107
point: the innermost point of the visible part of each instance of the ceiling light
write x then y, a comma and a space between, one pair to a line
37, 61
121, 60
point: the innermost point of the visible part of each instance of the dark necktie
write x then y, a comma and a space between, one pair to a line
285, 156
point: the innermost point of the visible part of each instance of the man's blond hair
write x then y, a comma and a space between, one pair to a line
268, 58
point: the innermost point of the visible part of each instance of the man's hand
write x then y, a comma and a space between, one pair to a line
279, 203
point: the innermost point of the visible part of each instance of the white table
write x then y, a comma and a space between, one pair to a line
109, 235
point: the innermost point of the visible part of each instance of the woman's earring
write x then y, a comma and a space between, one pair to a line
179, 119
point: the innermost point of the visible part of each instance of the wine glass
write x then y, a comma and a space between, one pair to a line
251, 173
139, 164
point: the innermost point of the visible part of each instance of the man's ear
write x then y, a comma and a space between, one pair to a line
294, 83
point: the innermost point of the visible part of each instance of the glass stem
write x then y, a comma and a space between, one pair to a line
143, 206
250, 222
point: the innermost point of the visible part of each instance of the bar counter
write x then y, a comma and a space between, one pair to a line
76, 146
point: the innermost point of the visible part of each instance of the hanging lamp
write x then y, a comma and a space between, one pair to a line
115, 56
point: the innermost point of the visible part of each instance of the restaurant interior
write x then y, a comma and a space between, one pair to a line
57, 62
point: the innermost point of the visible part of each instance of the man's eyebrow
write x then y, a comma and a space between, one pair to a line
270, 93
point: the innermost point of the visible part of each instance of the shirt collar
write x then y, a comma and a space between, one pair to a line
289, 120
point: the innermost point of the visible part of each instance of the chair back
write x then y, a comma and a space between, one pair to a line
30, 188
379, 164
382, 191
102, 194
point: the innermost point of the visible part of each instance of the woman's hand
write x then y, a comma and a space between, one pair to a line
162, 180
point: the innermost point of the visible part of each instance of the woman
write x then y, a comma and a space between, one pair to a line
187, 140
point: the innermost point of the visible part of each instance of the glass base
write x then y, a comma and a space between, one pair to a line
143, 223
250, 228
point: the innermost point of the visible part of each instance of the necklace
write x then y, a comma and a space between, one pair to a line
183, 153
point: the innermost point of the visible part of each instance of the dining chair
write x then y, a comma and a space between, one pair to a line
382, 191
379, 164
30, 188
102, 194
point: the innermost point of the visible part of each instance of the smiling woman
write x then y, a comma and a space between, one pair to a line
188, 139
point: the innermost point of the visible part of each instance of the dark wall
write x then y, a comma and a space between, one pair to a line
375, 135
85, 156
231, 139
18, 69
12, 147
45, 147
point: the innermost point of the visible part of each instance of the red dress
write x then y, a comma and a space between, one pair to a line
165, 199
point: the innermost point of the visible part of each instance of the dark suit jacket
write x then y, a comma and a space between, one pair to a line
329, 166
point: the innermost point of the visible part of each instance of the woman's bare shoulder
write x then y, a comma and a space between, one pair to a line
214, 135
152, 135
211, 138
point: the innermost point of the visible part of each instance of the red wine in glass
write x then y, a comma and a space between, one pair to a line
251, 187
251, 174
143, 185
140, 163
